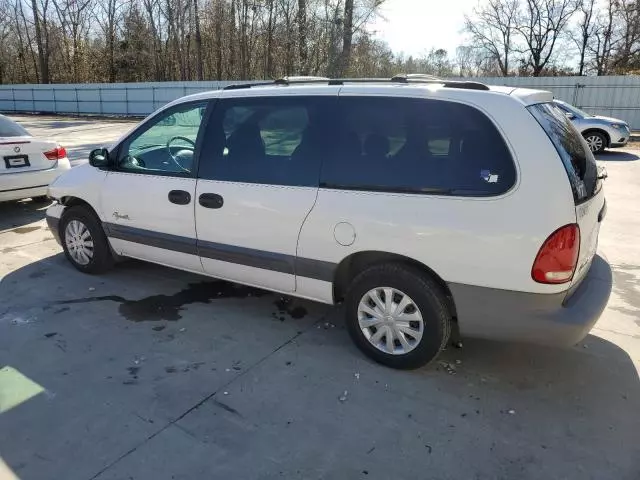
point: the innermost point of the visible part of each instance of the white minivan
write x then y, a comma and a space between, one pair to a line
425, 206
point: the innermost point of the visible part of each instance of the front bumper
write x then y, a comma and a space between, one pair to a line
619, 138
54, 213
548, 319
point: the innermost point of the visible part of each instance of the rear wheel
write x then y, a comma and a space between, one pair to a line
397, 316
84, 241
596, 141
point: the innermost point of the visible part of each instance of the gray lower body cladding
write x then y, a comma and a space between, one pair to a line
549, 319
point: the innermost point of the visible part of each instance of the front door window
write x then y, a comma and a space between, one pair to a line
167, 145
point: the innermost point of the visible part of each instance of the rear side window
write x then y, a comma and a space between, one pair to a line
9, 128
417, 146
268, 140
578, 160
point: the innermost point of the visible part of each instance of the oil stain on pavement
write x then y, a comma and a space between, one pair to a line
168, 307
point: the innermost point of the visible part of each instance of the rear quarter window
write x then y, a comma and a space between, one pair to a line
9, 128
410, 145
576, 157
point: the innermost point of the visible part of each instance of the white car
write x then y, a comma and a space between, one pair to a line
425, 206
27, 164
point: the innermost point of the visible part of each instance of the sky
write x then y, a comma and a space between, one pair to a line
416, 26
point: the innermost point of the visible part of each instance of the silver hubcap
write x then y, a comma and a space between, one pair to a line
79, 242
594, 142
390, 320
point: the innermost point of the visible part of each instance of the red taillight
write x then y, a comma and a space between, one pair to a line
57, 153
557, 259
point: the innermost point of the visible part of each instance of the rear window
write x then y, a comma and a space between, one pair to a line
417, 146
9, 128
578, 160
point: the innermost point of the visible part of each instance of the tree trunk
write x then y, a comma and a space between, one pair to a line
269, 46
199, 66
302, 37
347, 37
218, 33
42, 57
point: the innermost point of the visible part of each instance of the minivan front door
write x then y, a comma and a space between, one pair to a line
257, 182
148, 197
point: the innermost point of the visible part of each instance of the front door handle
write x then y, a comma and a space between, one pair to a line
179, 197
211, 200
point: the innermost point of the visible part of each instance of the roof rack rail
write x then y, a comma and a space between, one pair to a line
401, 78
423, 78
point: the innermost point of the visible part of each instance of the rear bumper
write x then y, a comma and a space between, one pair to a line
19, 185
556, 319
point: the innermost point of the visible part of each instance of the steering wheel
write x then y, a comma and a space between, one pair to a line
175, 158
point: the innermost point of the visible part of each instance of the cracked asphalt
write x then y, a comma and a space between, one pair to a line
151, 373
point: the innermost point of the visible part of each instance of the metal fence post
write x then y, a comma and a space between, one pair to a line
33, 102
576, 91
13, 98
126, 100
77, 101
100, 97
153, 98
53, 93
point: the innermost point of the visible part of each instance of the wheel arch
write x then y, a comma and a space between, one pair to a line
71, 201
600, 131
357, 262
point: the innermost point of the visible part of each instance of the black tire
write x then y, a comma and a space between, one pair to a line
102, 259
427, 296
599, 137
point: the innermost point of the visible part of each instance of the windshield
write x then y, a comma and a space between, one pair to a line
570, 108
9, 128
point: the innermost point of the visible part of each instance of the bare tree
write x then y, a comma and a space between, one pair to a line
492, 27
541, 24
602, 45
73, 16
584, 31
629, 41
108, 17
40, 13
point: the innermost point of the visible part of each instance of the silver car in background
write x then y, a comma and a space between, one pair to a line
599, 132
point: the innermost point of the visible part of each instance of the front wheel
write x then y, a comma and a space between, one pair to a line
397, 316
84, 242
596, 141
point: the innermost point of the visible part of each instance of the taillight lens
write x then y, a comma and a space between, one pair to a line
557, 259
57, 153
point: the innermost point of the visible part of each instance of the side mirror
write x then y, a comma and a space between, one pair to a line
99, 158
570, 115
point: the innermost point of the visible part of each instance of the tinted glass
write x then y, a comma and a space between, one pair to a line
9, 128
578, 160
166, 145
276, 141
417, 146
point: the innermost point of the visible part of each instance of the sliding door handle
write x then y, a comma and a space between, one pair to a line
211, 200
